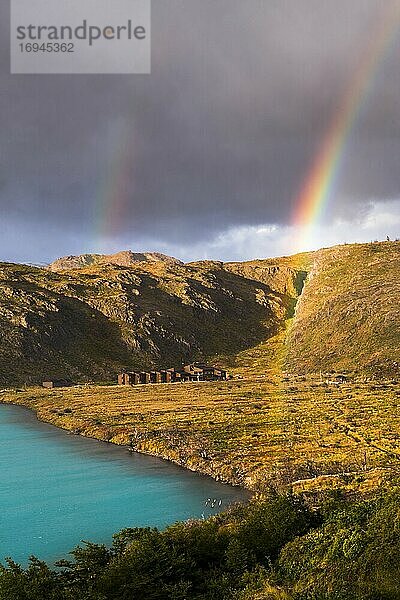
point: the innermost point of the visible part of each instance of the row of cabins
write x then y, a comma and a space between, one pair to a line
193, 372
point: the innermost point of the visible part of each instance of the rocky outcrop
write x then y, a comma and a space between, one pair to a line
123, 259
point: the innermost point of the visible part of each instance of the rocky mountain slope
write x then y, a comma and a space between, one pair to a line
88, 317
92, 321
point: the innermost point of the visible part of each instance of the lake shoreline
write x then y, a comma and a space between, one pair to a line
98, 435
60, 489
256, 434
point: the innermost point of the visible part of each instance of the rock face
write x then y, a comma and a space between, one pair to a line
123, 259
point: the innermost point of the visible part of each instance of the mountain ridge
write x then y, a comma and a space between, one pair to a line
89, 322
125, 258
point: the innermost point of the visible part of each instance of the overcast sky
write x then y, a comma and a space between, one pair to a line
203, 158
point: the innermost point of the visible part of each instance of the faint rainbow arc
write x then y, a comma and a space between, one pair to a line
116, 185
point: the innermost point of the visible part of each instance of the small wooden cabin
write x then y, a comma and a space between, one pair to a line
166, 376
56, 383
145, 377
128, 378
155, 377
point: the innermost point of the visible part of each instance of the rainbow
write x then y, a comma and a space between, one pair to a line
115, 191
320, 183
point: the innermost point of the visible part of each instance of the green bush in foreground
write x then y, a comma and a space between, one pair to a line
355, 554
277, 549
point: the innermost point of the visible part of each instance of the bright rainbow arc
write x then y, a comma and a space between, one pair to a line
320, 182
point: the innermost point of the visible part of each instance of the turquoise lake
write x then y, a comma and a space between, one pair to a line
58, 489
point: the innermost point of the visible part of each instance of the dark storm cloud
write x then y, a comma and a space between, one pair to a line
221, 134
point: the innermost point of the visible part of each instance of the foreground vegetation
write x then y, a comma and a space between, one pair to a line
273, 549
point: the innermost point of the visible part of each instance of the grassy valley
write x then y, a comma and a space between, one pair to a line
252, 432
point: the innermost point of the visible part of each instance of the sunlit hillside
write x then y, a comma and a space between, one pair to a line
335, 309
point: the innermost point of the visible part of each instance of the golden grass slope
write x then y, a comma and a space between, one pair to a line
348, 316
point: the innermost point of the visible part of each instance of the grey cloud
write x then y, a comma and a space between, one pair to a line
221, 134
